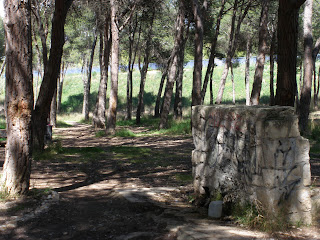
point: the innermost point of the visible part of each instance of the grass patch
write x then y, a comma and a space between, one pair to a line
2, 122
183, 177
100, 133
176, 128
63, 124
124, 133
4, 194
57, 152
38, 193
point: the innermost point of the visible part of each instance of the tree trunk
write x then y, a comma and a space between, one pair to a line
19, 97
179, 80
43, 35
272, 50
60, 86
233, 86
229, 55
234, 35
158, 100
198, 53
211, 89
262, 50
53, 110
144, 70
212, 52
113, 99
99, 115
173, 68
315, 52
87, 82
247, 69
132, 56
49, 83
305, 98
288, 13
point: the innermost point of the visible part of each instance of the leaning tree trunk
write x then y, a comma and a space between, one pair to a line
229, 55
232, 46
178, 95
173, 68
262, 50
87, 82
144, 70
113, 99
305, 99
158, 100
99, 114
19, 97
247, 69
212, 52
288, 13
49, 83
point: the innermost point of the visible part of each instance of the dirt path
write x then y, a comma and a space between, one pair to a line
106, 192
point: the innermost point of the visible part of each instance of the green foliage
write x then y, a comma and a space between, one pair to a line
315, 133
2, 122
38, 193
100, 133
216, 196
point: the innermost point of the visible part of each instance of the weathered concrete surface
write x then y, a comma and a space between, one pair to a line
253, 154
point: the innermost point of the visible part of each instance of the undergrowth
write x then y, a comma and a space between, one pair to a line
255, 216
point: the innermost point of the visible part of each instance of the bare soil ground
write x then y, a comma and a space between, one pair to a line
117, 188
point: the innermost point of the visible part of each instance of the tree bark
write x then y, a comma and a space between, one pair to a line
272, 51
49, 82
179, 80
262, 50
19, 97
99, 114
212, 53
287, 51
113, 100
247, 69
305, 98
60, 85
198, 53
53, 110
87, 80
